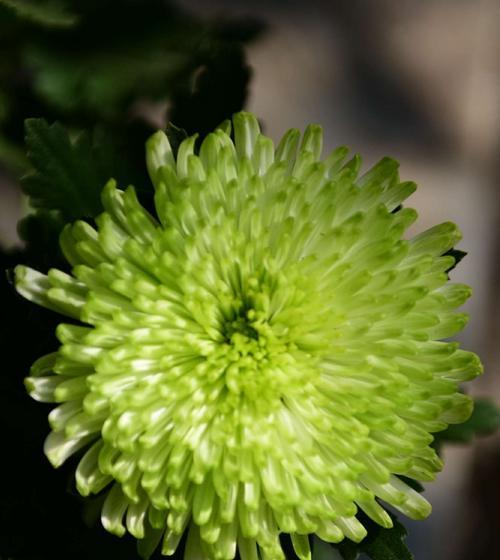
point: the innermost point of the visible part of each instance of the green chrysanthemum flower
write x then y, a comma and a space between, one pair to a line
261, 357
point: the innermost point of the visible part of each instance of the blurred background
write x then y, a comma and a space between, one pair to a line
416, 80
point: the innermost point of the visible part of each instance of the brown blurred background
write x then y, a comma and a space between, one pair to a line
418, 80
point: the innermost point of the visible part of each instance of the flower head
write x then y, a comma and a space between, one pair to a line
260, 357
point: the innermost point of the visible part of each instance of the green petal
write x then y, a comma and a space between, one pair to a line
158, 154
246, 131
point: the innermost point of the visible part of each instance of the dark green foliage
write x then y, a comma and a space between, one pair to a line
387, 544
49, 13
379, 544
78, 62
66, 176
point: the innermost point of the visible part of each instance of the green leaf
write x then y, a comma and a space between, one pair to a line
485, 419
322, 550
47, 14
387, 544
68, 177
349, 550
65, 176
379, 544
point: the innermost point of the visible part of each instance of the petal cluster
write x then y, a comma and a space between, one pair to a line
261, 356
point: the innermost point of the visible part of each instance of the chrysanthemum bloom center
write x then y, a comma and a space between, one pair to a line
257, 360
